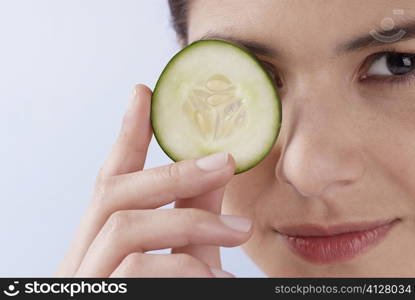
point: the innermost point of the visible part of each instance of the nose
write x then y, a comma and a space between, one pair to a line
320, 153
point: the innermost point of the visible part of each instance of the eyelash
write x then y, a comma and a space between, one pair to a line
394, 80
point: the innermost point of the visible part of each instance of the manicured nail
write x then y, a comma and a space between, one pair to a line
237, 223
221, 273
213, 162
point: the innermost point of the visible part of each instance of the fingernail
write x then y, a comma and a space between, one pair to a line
129, 112
221, 273
237, 223
133, 96
213, 162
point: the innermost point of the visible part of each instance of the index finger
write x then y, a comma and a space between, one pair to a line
129, 152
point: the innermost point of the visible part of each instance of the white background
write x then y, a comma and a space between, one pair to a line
66, 70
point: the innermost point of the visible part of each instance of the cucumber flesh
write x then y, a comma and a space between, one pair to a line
214, 96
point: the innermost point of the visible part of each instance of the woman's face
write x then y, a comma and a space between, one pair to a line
345, 157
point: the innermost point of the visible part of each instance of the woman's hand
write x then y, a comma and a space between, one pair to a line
122, 222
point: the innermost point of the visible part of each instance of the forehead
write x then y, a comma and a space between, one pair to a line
301, 23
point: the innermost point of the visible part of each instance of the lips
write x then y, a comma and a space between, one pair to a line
342, 242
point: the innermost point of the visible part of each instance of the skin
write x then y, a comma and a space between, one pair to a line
344, 154
346, 148
122, 221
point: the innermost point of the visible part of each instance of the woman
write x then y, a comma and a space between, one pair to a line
336, 195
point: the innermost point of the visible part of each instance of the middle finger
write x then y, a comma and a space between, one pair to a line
145, 230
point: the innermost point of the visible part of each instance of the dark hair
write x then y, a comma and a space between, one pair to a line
178, 12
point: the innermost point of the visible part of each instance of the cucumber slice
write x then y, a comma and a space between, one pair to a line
214, 96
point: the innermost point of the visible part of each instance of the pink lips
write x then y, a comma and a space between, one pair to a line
319, 244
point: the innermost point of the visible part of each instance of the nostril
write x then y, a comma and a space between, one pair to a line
315, 158
336, 185
313, 172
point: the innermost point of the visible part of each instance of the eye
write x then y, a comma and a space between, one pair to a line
392, 63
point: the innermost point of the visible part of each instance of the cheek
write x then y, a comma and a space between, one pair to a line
243, 193
239, 198
390, 140
386, 122
398, 161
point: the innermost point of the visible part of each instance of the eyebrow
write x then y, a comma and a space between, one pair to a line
253, 46
379, 37
374, 38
